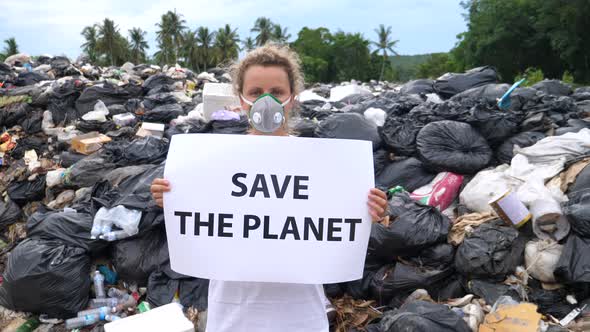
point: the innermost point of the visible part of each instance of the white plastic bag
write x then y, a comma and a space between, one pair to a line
541, 258
376, 115
485, 186
55, 177
99, 114
120, 216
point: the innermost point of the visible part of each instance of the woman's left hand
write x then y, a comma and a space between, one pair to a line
377, 204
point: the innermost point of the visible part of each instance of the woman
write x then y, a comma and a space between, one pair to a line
267, 81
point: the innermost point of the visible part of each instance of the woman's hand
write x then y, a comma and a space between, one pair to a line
158, 188
377, 204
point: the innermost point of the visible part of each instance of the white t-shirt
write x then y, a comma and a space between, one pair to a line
266, 307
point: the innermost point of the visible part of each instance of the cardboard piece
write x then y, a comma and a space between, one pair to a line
89, 143
216, 97
512, 318
151, 129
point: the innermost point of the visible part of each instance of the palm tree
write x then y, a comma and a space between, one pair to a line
205, 40
11, 47
226, 43
90, 46
384, 44
109, 40
170, 35
280, 35
190, 50
137, 44
263, 26
248, 44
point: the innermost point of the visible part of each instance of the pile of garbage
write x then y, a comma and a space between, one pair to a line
489, 209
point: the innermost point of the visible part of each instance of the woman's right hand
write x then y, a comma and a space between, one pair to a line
158, 188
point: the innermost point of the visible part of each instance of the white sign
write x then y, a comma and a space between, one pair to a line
268, 209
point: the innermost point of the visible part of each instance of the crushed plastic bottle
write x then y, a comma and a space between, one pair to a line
116, 293
106, 302
102, 311
87, 320
99, 285
114, 236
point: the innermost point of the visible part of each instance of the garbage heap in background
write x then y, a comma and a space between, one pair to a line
81, 145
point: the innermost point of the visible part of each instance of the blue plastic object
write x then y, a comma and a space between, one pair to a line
504, 102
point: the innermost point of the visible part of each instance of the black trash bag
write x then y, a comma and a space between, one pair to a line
493, 250
494, 125
159, 99
491, 291
87, 171
451, 84
62, 101
582, 182
333, 291
574, 263
349, 126
163, 113
577, 210
422, 86
450, 146
146, 150
90, 126
135, 190
489, 93
450, 288
157, 80
44, 276
28, 143
132, 105
32, 124
553, 87
131, 261
551, 302
10, 213
303, 127
67, 159
381, 158
14, 114
189, 126
408, 173
422, 316
71, 228
30, 78
359, 289
192, 292
238, 127
59, 64
505, 152
393, 280
109, 94
439, 256
399, 135
23, 192
414, 227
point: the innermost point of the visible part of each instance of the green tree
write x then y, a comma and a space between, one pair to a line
314, 49
11, 47
205, 39
264, 27
138, 45
89, 47
280, 34
190, 50
350, 57
436, 65
169, 36
111, 43
226, 43
383, 44
248, 44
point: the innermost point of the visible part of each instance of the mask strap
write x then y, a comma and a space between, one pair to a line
246, 100
286, 102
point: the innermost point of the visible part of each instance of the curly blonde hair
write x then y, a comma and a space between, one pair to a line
269, 55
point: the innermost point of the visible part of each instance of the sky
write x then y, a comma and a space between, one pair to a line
53, 27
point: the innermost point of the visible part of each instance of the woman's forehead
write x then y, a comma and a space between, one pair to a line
266, 77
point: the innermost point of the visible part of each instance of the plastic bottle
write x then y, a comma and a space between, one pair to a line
96, 229
114, 236
106, 302
126, 302
116, 293
87, 320
99, 285
102, 311
111, 318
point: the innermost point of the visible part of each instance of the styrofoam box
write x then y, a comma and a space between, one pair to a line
339, 92
216, 97
167, 318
